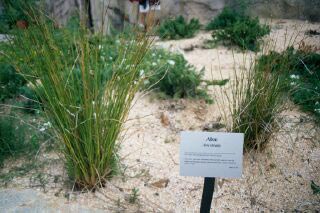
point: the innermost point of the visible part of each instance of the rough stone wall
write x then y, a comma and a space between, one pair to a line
289, 9
118, 11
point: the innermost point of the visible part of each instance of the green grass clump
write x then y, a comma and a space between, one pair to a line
173, 76
14, 141
178, 28
233, 28
255, 99
86, 99
301, 78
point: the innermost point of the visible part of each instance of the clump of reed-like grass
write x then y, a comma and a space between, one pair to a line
254, 99
86, 100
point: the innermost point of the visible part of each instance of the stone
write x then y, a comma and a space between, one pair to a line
163, 183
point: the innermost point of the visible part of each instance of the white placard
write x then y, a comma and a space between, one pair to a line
211, 154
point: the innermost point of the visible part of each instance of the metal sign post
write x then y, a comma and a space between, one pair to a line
207, 194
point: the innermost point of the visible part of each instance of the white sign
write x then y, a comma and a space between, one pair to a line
211, 154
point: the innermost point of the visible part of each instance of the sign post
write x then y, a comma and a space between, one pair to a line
208, 189
211, 155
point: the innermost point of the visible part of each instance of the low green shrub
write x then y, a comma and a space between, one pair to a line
173, 76
226, 18
234, 28
245, 33
301, 78
13, 11
178, 28
10, 81
14, 141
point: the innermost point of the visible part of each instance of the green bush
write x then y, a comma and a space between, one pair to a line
234, 28
245, 33
225, 19
172, 75
178, 28
86, 95
14, 141
301, 78
13, 11
10, 81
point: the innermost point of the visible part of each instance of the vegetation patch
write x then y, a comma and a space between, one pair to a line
85, 99
15, 140
234, 28
174, 77
301, 78
178, 28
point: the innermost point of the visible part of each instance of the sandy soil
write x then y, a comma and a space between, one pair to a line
278, 179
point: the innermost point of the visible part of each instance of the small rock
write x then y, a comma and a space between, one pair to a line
163, 183
164, 119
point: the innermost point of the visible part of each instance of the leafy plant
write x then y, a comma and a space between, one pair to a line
172, 75
178, 28
226, 18
10, 81
13, 139
14, 10
134, 195
86, 102
236, 28
315, 188
301, 78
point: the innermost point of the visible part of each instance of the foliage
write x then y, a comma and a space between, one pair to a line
226, 18
134, 196
13, 11
14, 141
236, 28
255, 98
315, 188
301, 78
10, 81
86, 100
172, 75
178, 28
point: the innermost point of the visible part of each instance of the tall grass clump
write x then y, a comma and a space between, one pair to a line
254, 99
178, 28
86, 99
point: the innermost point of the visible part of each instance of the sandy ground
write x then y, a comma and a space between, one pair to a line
278, 179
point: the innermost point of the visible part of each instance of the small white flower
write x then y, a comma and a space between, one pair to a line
293, 83
141, 72
42, 129
48, 124
294, 76
110, 58
93, 103
99, 46
153, 54
154, 64
171, 62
